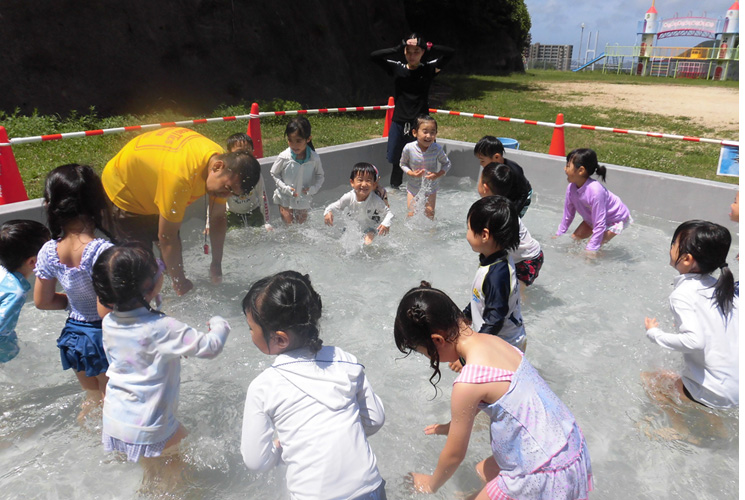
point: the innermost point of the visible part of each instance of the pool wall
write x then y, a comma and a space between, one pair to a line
670, 197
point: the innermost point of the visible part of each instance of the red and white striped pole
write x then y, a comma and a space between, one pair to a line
11, 184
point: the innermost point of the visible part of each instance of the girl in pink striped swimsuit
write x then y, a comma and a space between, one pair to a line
538, 449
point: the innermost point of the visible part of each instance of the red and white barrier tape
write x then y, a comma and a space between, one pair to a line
182, 123
722, 142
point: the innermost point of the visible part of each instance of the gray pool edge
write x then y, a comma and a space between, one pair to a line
670, 197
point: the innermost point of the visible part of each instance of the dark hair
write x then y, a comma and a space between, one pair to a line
239, 138
245, 165
300, 126
501, 180
499, 216
421, 120
123, 275
287, 302
708, 243
363, 168
72, 192
587, 158
488, 146
419, 40
20, 240
423, 311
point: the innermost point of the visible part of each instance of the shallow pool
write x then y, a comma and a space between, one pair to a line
584, 321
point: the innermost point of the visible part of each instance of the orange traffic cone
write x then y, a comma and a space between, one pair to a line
557, 140
388, 117
254, 131
11, 184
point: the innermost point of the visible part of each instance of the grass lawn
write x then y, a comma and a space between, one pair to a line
518, 96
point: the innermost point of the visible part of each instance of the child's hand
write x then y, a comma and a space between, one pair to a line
294, 193
650, 323
456, 366
329, 219
437, 429
434, 175
422, 483
382, 230
418, 172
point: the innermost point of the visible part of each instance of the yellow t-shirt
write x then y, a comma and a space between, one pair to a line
160, 172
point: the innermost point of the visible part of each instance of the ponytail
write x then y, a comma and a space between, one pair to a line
724, 290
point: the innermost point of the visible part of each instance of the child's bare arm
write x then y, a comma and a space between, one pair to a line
45, 296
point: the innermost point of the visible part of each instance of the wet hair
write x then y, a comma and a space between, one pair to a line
300, 126
499, 215
21, 240
123, 275
488, 146
73, 192
423, 311
587, 158
239, 138
286, 302
364, 168
708, 243
245, 165
422, 119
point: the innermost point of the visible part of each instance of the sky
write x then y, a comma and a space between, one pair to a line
554, 22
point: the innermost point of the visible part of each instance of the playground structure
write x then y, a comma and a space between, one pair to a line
720, 61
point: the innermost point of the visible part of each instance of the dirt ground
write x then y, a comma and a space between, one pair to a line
711, 106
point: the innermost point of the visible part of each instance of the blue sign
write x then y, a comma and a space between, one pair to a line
729, 161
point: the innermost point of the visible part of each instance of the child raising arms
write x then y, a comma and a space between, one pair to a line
424, 162
363, 203
315, 397
604, 214
297, 172
144, 348
706, 313
76, 206
538, 449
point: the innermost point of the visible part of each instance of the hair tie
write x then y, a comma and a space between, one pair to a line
377, 174
723, 266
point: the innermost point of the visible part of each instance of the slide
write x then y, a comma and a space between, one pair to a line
591, 62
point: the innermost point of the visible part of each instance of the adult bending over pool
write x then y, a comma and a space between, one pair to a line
157, 175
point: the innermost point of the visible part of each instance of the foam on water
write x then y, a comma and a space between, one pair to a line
585, 327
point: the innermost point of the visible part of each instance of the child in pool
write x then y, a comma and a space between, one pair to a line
363, 203
76, 207
497, 179
144, 348
488, 150
247, 209
706, 313
538, 449
317, 399
297, 172
493, 231
424, 162
604, 214
20, 241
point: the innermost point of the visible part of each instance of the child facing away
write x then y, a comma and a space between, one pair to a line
603, 213
76, 207
539, 451
363, 203
252, 208
144, 349
424, 162
706, 314
488, 150
20, 241
494, 308
497, 179
297, 172
316, 398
